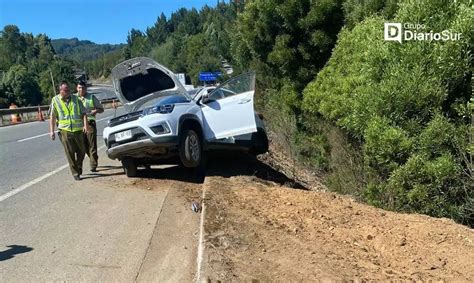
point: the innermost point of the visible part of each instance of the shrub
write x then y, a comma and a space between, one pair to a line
406, 103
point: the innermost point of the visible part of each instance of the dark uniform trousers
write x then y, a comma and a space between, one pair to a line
91, 144
73, 143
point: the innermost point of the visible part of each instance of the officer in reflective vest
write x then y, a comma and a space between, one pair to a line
93, 107
71, 116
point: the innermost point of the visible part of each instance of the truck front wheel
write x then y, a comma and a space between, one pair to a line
129, 167
190, 148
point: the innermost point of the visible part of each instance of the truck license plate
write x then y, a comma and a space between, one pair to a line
125, 135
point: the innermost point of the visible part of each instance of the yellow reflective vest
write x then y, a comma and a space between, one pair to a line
69, 114
88, 103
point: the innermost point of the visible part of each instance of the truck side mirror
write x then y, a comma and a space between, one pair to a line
205, 98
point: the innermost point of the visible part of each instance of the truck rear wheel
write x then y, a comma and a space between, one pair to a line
259, 143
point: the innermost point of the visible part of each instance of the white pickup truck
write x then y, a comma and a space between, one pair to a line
165, 124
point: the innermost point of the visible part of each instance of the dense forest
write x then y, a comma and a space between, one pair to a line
389, 123
27, 64
189, 41
82, 50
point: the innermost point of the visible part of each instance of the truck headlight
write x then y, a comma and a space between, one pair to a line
161, 109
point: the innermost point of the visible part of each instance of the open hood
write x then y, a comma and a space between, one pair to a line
139, 80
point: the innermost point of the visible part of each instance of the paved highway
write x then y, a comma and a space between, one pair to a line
106, 227
27, 152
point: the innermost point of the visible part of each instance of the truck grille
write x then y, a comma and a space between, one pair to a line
125, 118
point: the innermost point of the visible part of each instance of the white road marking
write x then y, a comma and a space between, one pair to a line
31, 183
200, 255
42, 135
21, 124
38, 136
35, 181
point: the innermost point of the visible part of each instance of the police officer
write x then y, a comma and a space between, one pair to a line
93, 107
71, 116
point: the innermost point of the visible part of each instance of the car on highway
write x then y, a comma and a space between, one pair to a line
165, 124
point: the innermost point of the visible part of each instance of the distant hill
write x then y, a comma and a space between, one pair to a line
82, 50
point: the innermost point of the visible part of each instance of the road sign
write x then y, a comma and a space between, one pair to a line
209, 76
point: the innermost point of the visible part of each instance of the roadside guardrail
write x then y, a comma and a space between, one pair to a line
31, 114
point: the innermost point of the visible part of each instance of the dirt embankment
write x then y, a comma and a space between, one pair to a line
256, 228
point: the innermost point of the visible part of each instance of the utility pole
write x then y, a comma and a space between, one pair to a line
52, 82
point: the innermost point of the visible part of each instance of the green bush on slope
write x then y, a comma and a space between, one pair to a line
406, 103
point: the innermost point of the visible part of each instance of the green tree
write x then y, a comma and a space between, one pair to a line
26, 60
184, 22
32, 48
138, 43
189, 41
102, 66
3, 97
126, 53
163, 53
12, 46
46, 51
21, 87
159, 32
286, 39
287, 43
61, 71
199, 57
356, 11
217, 24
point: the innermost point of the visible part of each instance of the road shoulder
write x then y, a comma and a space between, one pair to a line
171, 255
256, 230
